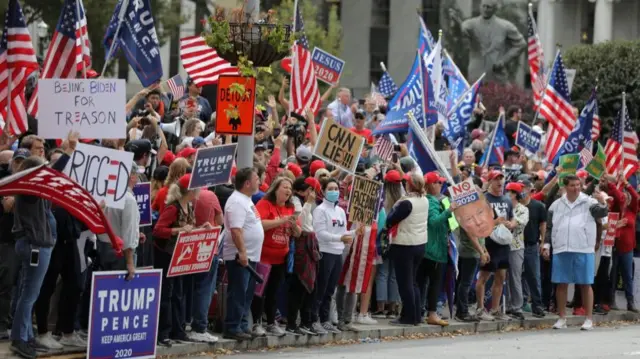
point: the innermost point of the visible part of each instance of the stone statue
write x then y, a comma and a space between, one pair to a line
494, 43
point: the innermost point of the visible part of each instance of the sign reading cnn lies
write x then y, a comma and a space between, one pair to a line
364, 200
95, 108
338, 145
194, 252
101, 171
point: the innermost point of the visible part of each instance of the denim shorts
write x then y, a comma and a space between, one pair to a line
571, 267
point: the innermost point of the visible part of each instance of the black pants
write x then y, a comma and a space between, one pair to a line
329, 270
406, 260
299, 301
8, 277
172, 318
268, 303
548, 288
62, 264
429, 279
467, 271
602, 284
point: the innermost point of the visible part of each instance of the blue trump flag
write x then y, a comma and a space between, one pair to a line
459, 114
423, 152
580, 136
134, 31
494, 153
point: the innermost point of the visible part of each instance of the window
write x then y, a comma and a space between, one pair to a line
375, 58
431, 16
380, 13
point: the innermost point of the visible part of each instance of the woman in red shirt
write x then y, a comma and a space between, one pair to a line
626, 242
279, 222
176, 170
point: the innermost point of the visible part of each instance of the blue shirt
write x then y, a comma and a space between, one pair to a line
341, 113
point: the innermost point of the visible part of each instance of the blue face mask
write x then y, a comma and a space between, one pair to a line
332, 196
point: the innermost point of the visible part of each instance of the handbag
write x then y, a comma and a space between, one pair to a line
501, 235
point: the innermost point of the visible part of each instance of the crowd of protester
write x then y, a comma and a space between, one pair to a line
288, 211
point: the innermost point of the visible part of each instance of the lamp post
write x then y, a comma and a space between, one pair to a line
43, 34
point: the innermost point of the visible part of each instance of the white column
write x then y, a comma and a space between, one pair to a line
603, 27
546, 22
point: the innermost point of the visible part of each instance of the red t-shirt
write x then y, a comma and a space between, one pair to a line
276, 240
205, 207
365, 132
161, 197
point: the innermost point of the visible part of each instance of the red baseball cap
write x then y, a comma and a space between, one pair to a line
185, 153
294, 168
434, 177
514, 186
183, 182
494, 174
314, 183
315, 166
168, 158
393, 176
234, 170
582, 174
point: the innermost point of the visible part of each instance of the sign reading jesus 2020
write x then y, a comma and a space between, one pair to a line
124, 314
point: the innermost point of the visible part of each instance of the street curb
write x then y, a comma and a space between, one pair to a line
379, 331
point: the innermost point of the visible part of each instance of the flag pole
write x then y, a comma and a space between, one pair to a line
415, 126
7, 125
466, 92
487, 156
544, 90
425, 100
82, 44
293, 58
123, 10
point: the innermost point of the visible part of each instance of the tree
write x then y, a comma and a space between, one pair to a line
98, 13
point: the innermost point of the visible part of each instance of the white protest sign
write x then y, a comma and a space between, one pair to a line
101, 171
95, 108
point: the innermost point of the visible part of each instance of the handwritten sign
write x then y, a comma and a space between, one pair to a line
235, 110
124, 314
527, 138
142, 192
328, 67
612, 221
363, 200
339, 145
194, 252
101, 171
212, 166
95, 108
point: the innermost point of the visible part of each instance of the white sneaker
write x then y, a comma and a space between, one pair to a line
562, 324
588, 325
73, 340
47, 341
482, 314
365, 319
275, 330
202, 337
259, 331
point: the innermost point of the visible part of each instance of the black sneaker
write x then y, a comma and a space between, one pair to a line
598, 310
538, 313
238, 336
307, 330
23, 349
167, 343
466, 318
516, 315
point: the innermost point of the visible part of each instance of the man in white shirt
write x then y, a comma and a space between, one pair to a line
340, 108
242, 248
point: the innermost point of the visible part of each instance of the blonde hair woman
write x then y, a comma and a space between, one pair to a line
177, 169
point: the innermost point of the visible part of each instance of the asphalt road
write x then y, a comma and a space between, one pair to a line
601, 343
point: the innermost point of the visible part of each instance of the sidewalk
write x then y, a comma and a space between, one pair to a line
366, 332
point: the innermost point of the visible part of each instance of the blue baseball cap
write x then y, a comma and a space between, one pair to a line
197, 142
21, 153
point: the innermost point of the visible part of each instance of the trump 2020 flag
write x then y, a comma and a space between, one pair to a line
434, 65
460, 112
356, 271
137, 37
494, 153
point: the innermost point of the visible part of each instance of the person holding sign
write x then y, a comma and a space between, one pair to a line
407, 227
279, 222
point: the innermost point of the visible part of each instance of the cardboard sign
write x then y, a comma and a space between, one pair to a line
124, 314
328, 67
212, 166
569, 164
474, 214
363, 200
612, 221
338, 145
528, 139
444, 158
142, 192
235, 111
95, 108
194, 252
101, 171
598, 165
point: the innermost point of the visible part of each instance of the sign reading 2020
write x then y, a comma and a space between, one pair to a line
328, 67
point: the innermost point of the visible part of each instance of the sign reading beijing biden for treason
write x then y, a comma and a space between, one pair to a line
124, 314
95, 108
338, 145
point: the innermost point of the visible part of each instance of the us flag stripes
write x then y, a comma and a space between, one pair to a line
383, 148
357, 269
621, 147
536, 59
201, 62
176, 86
304, 87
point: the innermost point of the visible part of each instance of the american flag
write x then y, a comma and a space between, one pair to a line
201, 62
376, 96
621, 146
176, 86
556, 108
304, 86
386, 86
357, 269
383, 148
536, 59
595, 130
69, 52
586, 156
17, 62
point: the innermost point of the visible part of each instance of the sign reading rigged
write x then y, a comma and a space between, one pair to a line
124, 314
328, 67
101, 171
95, 108
194, 252
142, 192
474, 214
212, 166
364, 200
339, 145
235, 110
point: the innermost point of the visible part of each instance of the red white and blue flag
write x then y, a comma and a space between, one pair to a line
383, 148
304, 86
202, 63
621, 146
536, 59
176, 86
357, 269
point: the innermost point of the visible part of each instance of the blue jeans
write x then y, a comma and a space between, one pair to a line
625, 265
29, 288
203, 289
467, 268
386, 284
531, 275
240, 288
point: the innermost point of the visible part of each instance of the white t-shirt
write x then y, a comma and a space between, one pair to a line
239, 212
